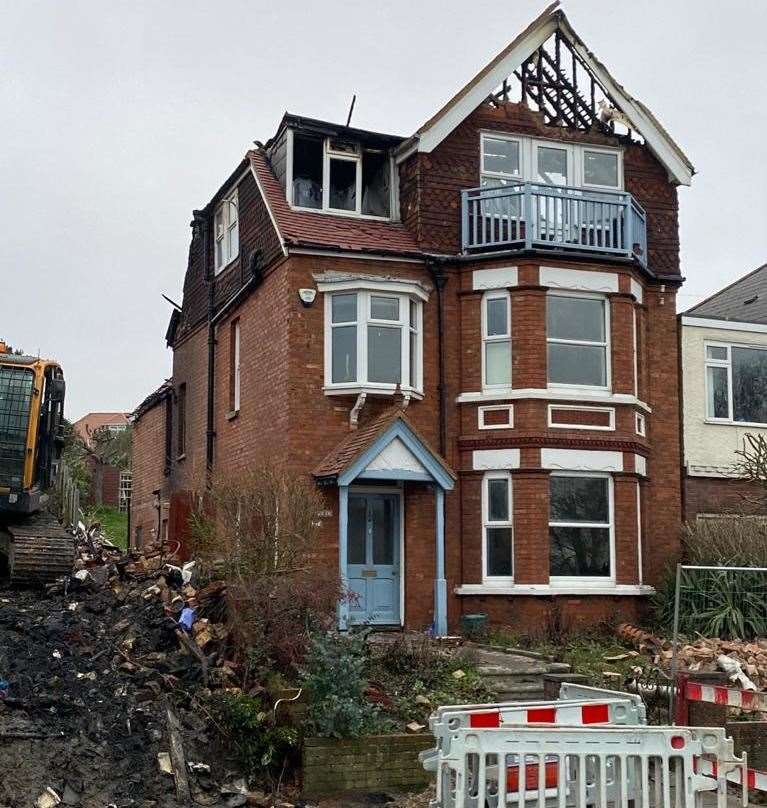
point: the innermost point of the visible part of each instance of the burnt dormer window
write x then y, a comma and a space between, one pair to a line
339, 176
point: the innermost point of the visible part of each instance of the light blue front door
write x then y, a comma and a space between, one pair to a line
373, 573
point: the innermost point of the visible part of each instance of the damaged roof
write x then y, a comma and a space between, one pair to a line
743, 301
504, 65
318, 230
152, 400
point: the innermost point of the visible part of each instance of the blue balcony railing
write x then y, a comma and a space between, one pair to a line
530, 215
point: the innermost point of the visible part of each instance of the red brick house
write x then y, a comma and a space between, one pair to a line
466, 336
109, 484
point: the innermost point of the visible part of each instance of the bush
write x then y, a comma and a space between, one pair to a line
719, 603
262, 748
335, 679
261, 530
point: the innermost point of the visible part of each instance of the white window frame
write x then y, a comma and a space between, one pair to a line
228, 255
591, 580
236, 387
496, 580
528, 160
364, 319
496, 294
329, 153
606, 344
508, 408
726, 363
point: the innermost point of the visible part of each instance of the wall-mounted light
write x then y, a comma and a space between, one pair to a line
307, 296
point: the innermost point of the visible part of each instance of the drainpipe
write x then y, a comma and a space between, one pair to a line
203, 222
440, 279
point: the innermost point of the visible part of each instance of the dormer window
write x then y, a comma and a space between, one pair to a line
227, 231
339, 176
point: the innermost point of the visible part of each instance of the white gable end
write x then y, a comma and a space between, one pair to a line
396, 456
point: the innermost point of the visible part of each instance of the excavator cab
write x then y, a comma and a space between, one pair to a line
31, 418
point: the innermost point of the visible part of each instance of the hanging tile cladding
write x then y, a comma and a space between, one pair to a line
430, 184
256, 233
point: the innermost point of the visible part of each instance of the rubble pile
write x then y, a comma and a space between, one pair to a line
103, 684
744, 662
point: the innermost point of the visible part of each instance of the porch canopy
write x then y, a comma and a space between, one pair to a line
389, 448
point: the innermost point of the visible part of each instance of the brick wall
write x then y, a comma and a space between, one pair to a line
720, 495
373, 763
148, 464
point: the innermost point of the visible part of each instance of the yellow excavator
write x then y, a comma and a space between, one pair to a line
34, 547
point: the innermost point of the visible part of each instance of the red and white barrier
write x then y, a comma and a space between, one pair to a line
725, 696
755, 780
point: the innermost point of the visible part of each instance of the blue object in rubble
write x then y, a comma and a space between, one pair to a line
188, 616
4, 686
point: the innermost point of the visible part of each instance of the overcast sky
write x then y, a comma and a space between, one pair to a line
118, 118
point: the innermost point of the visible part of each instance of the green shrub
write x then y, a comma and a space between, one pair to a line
718, 603
262, 748
335, 680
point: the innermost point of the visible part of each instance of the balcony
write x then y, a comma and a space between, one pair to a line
529, 215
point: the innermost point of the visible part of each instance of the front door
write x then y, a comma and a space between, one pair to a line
373, 558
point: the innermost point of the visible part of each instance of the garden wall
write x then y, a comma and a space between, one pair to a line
373, 763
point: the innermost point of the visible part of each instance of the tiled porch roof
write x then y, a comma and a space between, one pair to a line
358, 441
298, 228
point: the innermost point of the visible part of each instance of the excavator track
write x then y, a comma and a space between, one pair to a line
37, 550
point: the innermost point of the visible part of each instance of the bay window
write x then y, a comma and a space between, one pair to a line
736, 383
577, 341
497, 526
496, 340
581, 526
373, 340
227, 232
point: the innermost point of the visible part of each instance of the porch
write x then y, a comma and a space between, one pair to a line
530, 215
377, 469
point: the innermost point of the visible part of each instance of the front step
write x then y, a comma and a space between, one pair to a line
512, 677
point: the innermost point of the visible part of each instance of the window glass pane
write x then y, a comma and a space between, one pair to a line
497, 500
384, 354
578, 499
383, 514
579, 551
600, 168
307, 171
357, 530
345, 353
384, 308
344, 308
343, 184
413, 314
375, 183
716, 352
413, 359
552, 165
500, 155
578, 318
220, 252
234, 241
231, 209
16, 385
499, 551
718, 404
497, 311
749, 385
498, 362
576, 364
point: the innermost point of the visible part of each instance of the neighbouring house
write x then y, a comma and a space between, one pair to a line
151, 449
724, 389
110, 484
466, 336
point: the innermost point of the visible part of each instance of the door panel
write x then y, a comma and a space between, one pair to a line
373, 558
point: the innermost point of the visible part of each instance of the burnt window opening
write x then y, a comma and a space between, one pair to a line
307, 171
341, 176
181, 434
376, 183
